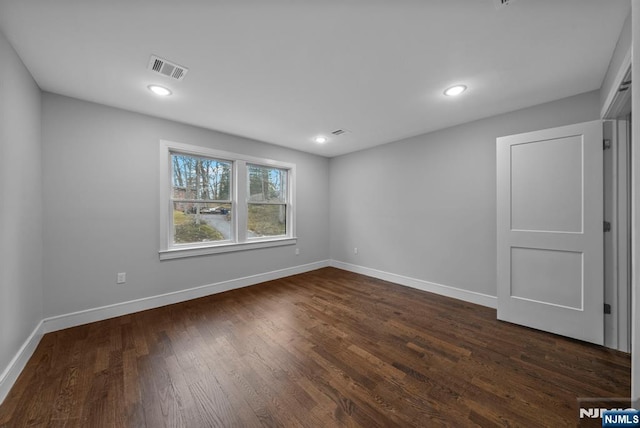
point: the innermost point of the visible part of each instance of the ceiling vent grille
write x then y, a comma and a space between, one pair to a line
167, 68
339, 131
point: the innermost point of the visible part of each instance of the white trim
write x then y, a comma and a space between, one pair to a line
617, 324
60, 322
19, 361
239, 238
177, 253
635, 206
240, 222
432, 287
118, 309
623, 218
625, 66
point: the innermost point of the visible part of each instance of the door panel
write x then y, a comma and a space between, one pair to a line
546, 185
550, 238
547, 276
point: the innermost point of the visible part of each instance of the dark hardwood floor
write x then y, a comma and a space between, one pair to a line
322, 349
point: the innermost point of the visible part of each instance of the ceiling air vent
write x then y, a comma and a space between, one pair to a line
167, 68
339, 131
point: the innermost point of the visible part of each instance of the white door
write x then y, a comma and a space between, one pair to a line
550, 230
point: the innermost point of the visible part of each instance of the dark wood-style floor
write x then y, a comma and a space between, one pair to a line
322, 349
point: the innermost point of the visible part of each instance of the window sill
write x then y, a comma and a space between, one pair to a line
178, 253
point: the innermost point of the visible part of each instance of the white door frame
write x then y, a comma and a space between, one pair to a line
617, 243
632, 60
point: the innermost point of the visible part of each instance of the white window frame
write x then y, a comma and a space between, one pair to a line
239, 204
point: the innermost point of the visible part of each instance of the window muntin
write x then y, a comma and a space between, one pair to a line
267, 204
207, 188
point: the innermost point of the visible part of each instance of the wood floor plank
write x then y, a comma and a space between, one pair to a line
327, 348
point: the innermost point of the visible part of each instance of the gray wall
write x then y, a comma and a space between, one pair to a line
20, 204
425, 207
101, 208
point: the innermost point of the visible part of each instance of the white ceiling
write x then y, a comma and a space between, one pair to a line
284, 71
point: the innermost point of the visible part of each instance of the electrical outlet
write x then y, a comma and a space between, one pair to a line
122, 278
297, 251
355, 250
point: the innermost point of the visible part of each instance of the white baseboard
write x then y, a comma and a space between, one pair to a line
432, 287
17, 364
118, 309
48, 325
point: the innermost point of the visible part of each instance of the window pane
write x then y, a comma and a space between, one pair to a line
267, 220
195, 177
193, 223
267, 184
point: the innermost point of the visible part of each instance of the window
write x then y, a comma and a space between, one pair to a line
200, 198
267, 204
214, 201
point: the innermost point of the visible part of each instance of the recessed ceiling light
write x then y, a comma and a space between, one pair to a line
159, 90
320, 139
455, 90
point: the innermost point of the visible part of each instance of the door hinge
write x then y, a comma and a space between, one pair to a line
607, 308
624, 86
606, 144
606, 226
